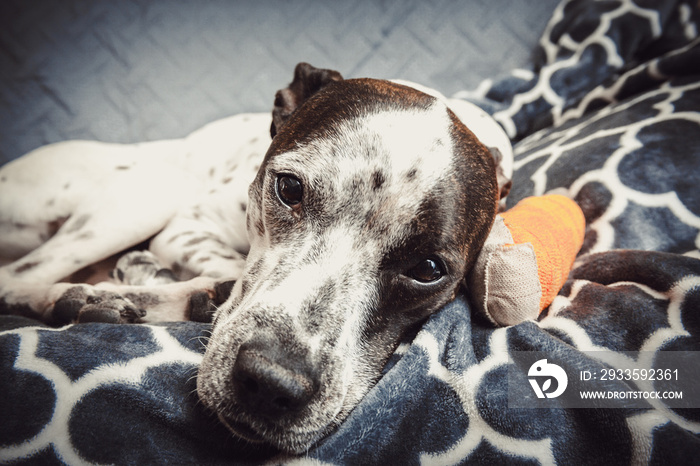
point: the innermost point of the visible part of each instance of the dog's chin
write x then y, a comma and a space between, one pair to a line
242, 430
288, 442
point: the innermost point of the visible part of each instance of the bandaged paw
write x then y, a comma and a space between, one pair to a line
526, 259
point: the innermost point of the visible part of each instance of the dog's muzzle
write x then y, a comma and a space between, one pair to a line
271, 382
272, 376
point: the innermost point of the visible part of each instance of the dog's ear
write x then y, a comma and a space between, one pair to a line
307, 81
504, 181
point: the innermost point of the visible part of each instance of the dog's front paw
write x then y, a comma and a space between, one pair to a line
86, 304
141, 268
110, 308
203, 305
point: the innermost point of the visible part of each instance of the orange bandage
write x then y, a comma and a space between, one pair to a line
555, 227
526, 258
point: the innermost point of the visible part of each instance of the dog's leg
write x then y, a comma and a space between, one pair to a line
141, 268
143, 290
198, 246
194, 247
207, 254
93, 232
117, 303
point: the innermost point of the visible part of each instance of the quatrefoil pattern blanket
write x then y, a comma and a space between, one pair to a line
608, 113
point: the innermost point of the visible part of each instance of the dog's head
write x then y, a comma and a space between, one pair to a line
371, 205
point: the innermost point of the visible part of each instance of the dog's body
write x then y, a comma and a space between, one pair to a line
362, 218
71, 205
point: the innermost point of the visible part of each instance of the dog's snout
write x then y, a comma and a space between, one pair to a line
270, 382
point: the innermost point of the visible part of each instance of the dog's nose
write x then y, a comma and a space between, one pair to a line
267, 381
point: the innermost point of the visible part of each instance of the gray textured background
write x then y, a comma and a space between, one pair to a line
137, 70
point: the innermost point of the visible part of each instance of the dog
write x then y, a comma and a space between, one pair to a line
313, 252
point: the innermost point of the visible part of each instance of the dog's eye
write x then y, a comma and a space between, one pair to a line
289, 190
427, 271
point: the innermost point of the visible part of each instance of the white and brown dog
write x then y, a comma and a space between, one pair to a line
364, 213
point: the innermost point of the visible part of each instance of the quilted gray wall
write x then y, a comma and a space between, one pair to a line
136, 70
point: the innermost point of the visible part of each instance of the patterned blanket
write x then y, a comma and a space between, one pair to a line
609, 114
